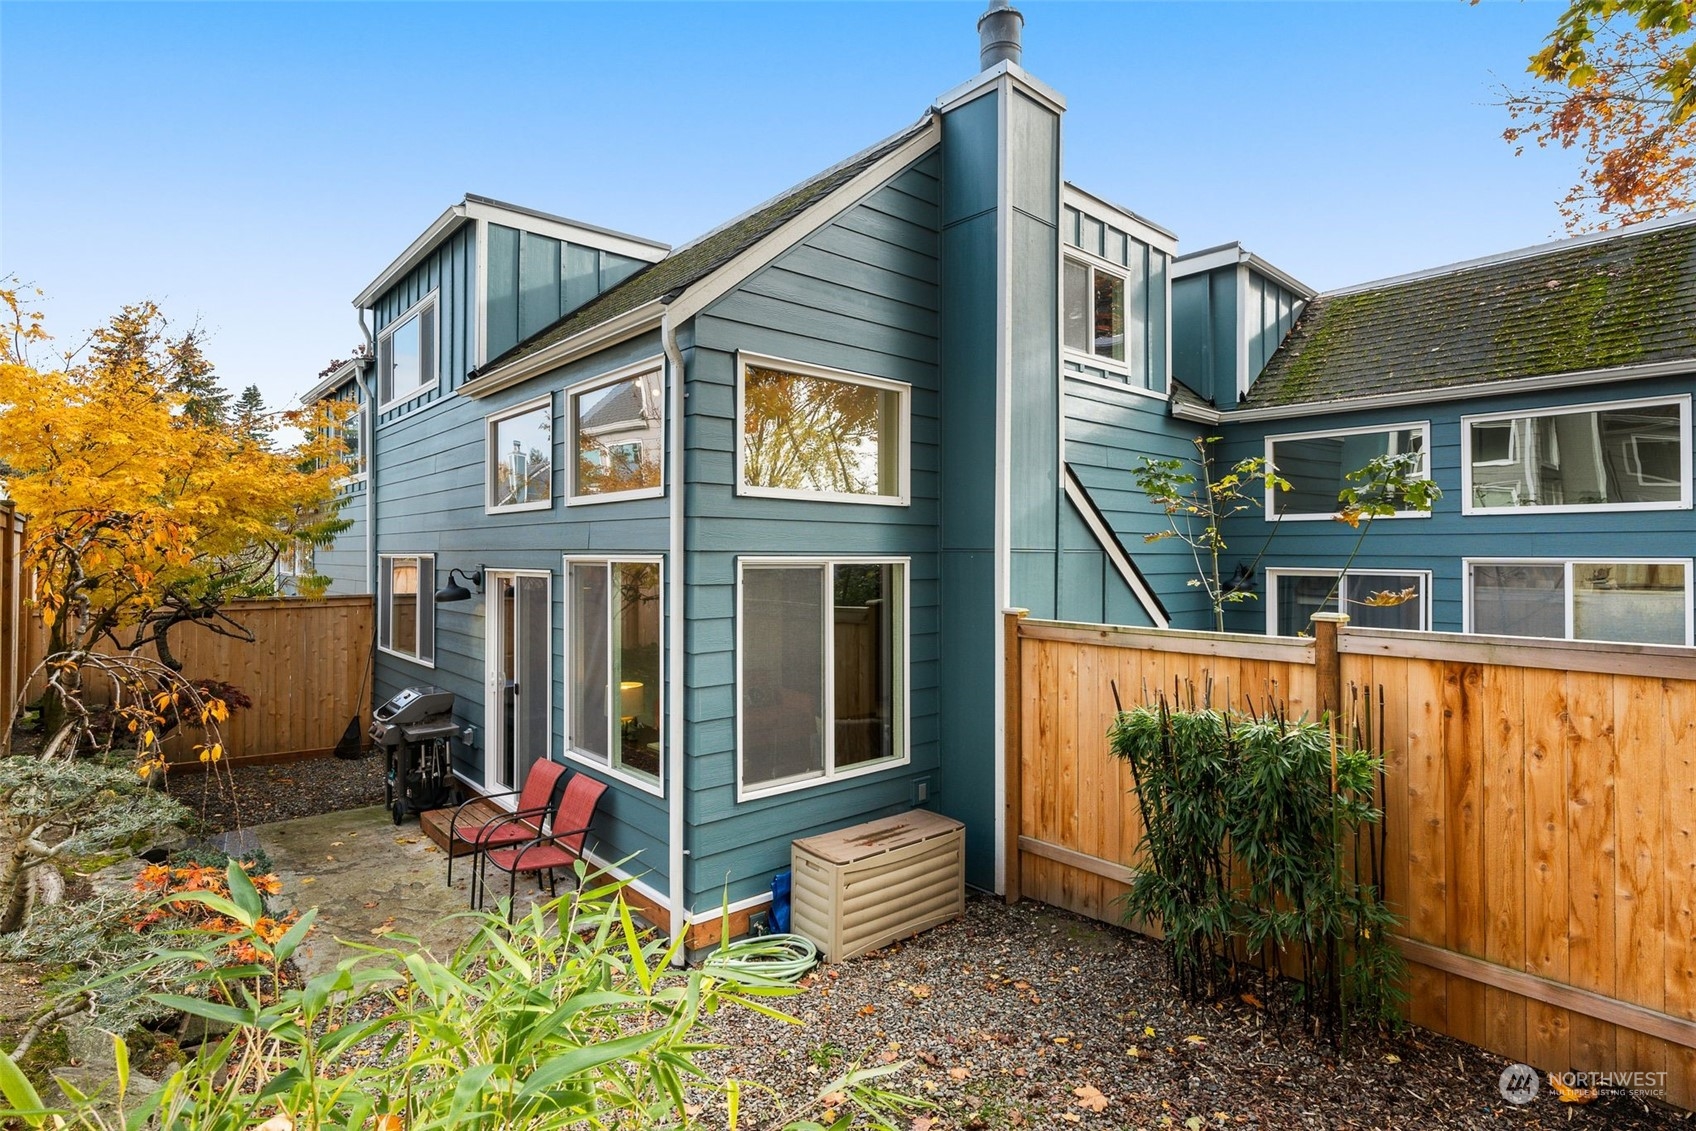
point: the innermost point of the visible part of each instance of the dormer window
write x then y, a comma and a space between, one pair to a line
406, 354
1113, 316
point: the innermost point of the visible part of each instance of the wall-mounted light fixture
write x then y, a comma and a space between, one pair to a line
454, 590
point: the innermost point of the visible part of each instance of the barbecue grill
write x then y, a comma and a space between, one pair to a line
415, 729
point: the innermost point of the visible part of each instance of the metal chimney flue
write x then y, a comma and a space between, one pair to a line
999, 34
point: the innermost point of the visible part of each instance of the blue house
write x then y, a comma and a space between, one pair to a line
1548, 392
741, 517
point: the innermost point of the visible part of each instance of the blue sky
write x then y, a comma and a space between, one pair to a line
253, 165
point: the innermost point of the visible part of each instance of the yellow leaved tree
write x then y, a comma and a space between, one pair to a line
147, 508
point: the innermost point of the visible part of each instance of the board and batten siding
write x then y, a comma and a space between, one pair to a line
1108, 431
861, 295
1438, 543
430, 478
451, 271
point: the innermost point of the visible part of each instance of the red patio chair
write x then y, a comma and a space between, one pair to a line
539, 796
559, 846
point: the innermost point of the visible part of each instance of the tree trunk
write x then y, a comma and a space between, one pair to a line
15, 882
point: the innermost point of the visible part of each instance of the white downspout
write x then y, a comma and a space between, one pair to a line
674, 650
368, 444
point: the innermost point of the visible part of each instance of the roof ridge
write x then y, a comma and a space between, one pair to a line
1531, 252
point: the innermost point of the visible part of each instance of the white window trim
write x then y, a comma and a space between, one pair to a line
387, 332
1084, 357
572, 392
1272, 575
609, 767
903, 425
904, 753
1423, 427
489, 424
1682, 400
385, 561
1689, 565
1104, 383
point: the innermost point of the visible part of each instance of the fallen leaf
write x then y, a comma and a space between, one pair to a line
1071, 1117
923, 1123
1194, 1123
959, 1073
833, 1099
309, 879
1133, 1052
327, 856
1196, 1041
1021, 985
921, 991
1148, 1030
370, 905
386, 927
887, 1056
1090, 1097
1570, 1095
867, 1010
929, 1058
335, 844
1251, 1000
1392, 1058
388, 1122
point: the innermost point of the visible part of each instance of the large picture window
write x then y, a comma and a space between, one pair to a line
1628, 455
406, 354
807, 432
822, 679
618, 436
1371, 598
1626, 601
1317, 466
615, 678
406, 607
521, 457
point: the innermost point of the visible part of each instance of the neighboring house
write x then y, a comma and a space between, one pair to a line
745, 514
1549, 392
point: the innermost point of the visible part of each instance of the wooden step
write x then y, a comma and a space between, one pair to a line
435, 823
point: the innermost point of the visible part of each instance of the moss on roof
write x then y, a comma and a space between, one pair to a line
671, 276
1626, 300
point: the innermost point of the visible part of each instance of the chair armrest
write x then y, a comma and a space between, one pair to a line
522, 816
453, 822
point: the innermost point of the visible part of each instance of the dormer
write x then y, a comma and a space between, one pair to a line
1230, 310
1114, 300
479, 280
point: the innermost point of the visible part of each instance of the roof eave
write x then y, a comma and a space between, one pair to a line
338, 377
446, 224
618, 328
1578, 378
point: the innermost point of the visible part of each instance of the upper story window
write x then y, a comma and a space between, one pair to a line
1626, 455
521, 457
1317, 465
822, 671
807, 432
1113, 306
353, 442
618, 435
406, 607
1634, 601
406, 354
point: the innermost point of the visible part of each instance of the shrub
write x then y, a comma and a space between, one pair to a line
1261, 842
571, 1017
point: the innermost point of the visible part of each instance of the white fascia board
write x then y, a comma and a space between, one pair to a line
618, 328
985, 81
344, 373
1232, 254
444, 226
1143, 229
559, 228
1115, 554
1200, 414
704, 292
1423, 397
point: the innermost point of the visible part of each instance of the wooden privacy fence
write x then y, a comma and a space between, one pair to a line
304, 671
1540, 816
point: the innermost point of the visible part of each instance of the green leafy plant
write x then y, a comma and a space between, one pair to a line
1261, 842
1197, 503
570, 1017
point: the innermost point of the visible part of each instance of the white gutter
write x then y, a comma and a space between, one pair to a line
675, 727
1426, 397
596, 338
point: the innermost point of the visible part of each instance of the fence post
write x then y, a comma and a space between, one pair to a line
1012, 751
1327, 663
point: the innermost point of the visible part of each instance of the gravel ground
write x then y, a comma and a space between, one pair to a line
1026, 1016
256, 795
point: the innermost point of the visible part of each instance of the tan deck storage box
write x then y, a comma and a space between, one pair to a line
858, 888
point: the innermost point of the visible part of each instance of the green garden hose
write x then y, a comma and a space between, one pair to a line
763, 958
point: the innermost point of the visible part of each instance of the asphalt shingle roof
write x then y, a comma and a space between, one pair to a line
688, 265
1626, 300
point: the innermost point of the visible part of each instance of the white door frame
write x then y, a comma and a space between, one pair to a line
494, 706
